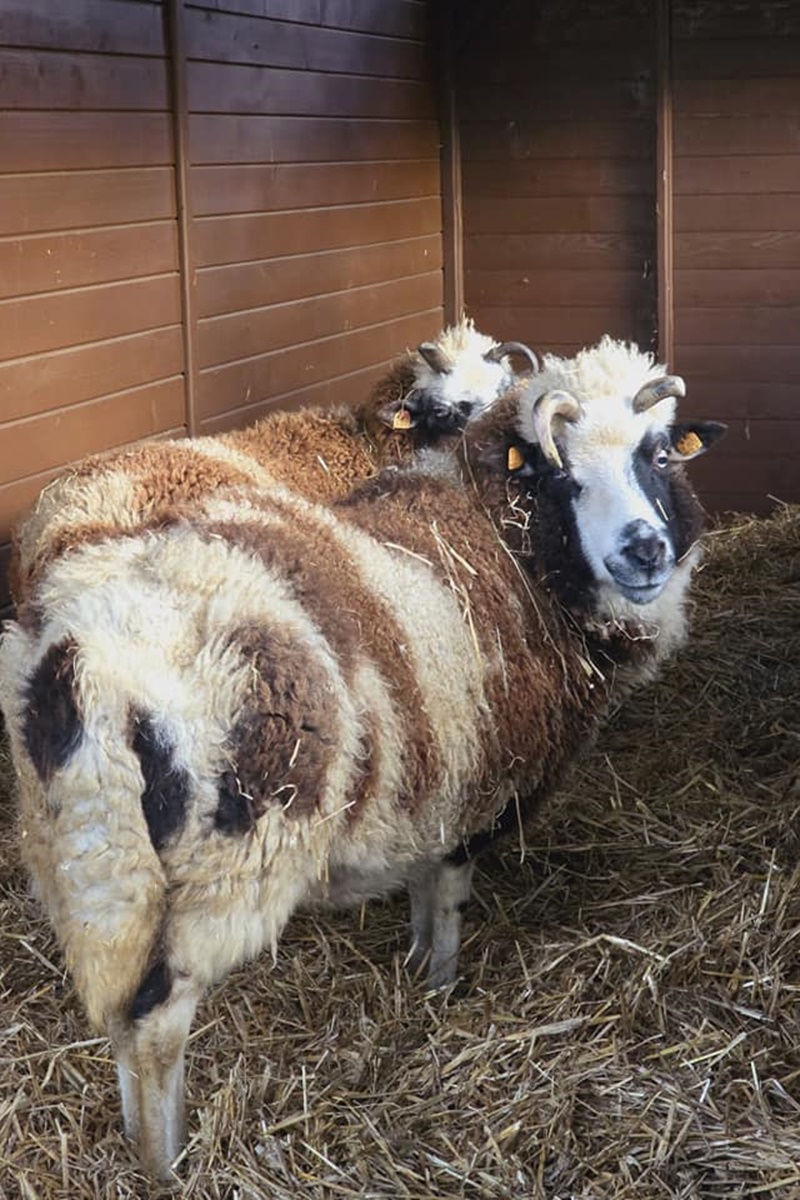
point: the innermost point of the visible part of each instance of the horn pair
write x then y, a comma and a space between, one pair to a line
546, 408
504, 348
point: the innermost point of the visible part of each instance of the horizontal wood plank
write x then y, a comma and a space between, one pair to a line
57, 320
725, 400
236, 88
49, 80
264, 139
77, 199
398, 18
45, 442
731, 58
279, 280
758, 250
542, 327
754, 476
776, 97
762, 327
266, 188
493, 141
628, 213
68, 141
244, 389
45, 382
565, 251
246, 238
726, 136
224, 37
558, 177
749, 175
553, 288
124, 27
739, 365
736, 289
739, 213
52, 262
258, 331
549, 94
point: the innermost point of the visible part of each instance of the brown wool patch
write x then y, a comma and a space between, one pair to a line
365, 786
170, 473
353, 619
286, 734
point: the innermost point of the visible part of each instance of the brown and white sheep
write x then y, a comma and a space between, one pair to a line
425, 399
270, 704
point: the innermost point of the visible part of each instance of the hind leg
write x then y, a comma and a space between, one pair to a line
439, 893
150, 1052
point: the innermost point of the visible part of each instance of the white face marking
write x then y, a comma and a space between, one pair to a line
623, 535
469, 388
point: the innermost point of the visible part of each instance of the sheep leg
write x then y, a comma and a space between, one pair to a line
150, 1068
439, 893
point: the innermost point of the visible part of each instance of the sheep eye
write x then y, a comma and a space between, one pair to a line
661, 459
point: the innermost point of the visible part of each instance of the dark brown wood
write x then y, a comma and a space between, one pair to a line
238, 286
400, 18
66, 141
134, 28
754, 175
665, 213
49, 381
452, 191
180, 115
588, 175
552, 288
51, 200
258, 139
763, 250
551, 251
742, 288
262, 188
47, 80
620, 213
758, 213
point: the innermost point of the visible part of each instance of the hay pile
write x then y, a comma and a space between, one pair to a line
628, 1024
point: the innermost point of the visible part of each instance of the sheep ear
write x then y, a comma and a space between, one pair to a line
690, 439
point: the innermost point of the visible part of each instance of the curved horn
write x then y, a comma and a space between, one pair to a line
434, 357
658, 389
549, 405
498, 352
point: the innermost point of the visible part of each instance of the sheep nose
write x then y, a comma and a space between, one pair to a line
644, 548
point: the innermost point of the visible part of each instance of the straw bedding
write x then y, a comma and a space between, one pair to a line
628, 1020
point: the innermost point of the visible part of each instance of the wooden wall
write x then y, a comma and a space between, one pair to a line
736, 89
556, 104
207, 207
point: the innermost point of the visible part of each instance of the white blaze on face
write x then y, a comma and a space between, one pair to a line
622, 528
473, 382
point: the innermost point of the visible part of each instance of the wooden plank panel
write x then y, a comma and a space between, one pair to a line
774, 97
56, 320
567, 251
556, 177
400, 18
622, 59
709, 398
760, 251
234, 139
542, 327
720, 58
754, 476
739, 213
243, 239
126, 27
753, 175
258, 331
221, 37
555, 95
749, 288
47, 441
721, 19
235, 88
524, 288
52, 262
725, 136
529, 139
762, 327
738, 365
268, 187
44, 79
245, 387
67, 377
67, 141
255, 284
65, 200
564, 214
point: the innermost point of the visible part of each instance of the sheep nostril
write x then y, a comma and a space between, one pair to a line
648, 553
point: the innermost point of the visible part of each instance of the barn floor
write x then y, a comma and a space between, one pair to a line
628, 1021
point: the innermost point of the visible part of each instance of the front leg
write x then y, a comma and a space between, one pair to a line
439, 892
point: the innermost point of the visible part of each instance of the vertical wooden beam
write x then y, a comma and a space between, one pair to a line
452, 212
664, 185
176, 46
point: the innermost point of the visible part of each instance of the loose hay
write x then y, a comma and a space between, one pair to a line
628, 1023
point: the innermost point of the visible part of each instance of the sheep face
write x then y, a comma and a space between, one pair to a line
605, 450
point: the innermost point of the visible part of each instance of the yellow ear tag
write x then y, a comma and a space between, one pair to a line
515, 459
690, 443
401, 419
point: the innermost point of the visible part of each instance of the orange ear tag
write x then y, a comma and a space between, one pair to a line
515, 459
401, 419
690, 443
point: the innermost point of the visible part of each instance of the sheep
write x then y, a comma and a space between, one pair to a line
425, 399
270, 704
